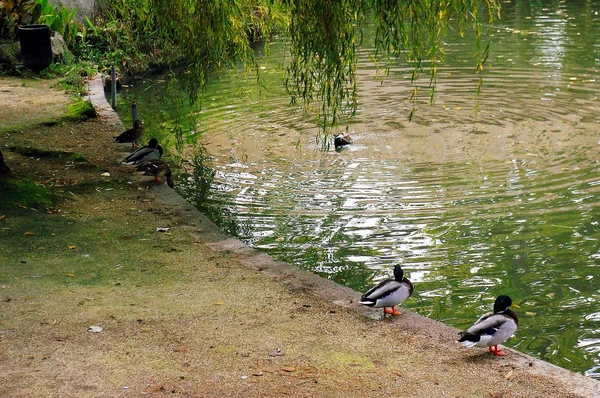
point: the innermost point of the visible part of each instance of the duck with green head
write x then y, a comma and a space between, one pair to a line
389, 293
492, 328
152, 151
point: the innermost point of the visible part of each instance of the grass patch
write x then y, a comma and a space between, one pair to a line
78, 247
46, 154
18, 194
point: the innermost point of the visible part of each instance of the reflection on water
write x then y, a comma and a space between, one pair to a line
504, 200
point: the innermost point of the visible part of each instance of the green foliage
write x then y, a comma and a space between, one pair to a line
207, 35
123, 34
12, 14
61, 19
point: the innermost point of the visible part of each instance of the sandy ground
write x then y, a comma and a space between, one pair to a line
190, 312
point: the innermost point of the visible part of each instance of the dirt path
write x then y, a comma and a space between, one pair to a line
190, 312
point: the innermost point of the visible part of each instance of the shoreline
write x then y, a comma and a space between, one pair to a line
299, 280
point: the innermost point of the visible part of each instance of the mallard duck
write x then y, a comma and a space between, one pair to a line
492, 328
342, 140
389, 293
132, 135
152, 151
157, 168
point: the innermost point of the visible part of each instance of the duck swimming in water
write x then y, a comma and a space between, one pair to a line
342, 140
492, 328
152, 151
389, 293
157, 168
132, 135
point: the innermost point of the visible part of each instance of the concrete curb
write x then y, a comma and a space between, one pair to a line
206, 232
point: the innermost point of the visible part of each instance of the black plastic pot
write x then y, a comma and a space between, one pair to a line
36, 48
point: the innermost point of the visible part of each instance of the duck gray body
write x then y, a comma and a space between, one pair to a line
389, 293
492, 328
152, 151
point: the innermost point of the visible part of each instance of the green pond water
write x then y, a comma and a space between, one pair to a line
473, 204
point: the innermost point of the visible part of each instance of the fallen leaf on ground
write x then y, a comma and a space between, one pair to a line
289, 369
71, 275
29, 233
219, 303
95, 329
277, 353
71, 247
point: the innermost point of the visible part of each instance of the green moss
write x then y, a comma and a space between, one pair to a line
80, 111
346, 359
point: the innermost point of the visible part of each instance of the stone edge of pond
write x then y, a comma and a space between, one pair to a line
204, 231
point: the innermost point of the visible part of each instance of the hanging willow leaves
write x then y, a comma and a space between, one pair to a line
325, 39
324, 58
206, 36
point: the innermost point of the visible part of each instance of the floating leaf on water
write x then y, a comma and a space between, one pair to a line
95, 329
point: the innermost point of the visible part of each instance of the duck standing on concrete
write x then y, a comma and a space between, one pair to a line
157, 168
389, 293
132, 135
152, 151
492, 328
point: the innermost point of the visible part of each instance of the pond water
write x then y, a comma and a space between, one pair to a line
504, 200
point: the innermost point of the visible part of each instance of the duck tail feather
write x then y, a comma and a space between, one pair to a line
469, 340
367, 302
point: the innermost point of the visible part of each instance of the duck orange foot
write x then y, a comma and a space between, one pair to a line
391, 311
496, 351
